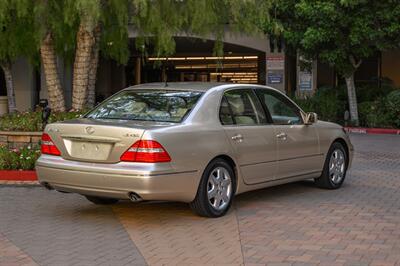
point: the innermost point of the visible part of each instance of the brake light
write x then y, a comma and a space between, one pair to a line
48, 146
146, 151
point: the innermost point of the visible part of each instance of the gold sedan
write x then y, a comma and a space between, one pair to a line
200, 143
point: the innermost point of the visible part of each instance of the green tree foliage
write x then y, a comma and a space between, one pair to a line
17, 39
52, 17
157, 22
76, 30
339, 32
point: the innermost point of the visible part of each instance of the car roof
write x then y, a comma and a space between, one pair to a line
192, 86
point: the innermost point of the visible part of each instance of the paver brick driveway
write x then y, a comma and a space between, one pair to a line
294, 224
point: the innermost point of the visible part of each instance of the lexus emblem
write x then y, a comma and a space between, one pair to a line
89, 130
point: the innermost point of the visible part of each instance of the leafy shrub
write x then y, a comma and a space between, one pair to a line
373, 114
393, 107
377, 107
27, 121
18, 159
327, 103
369, 93
32, 121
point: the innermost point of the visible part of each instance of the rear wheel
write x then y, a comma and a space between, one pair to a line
101, 200
216, 190
335, 168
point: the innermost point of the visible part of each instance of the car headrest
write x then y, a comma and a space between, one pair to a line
137, 107
237, 105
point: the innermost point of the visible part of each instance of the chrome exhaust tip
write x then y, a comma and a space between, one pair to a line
134, 197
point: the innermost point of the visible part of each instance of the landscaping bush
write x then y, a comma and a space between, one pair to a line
373, 114
377, 107
18, 159
369, 93
32, 121
393, 107
327, 103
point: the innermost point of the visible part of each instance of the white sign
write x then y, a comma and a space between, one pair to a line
275, 62
305, 80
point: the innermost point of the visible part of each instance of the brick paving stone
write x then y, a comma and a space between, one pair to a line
358, 224
169, 233
293, 224
12, 255
64, 229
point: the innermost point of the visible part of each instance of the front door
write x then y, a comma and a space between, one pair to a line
251, 136
298, 145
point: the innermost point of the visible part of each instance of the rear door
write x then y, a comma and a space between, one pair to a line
298, 144
251, 136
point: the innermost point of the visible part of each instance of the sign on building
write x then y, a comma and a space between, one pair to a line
275, 71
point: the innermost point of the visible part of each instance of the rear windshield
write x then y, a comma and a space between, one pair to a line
147, 105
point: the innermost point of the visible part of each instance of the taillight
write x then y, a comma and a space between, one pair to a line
146, 151
48, 146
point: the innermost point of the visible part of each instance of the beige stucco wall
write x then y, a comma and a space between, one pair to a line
391, 66
24, 84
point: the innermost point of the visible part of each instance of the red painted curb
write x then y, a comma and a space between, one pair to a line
363, 130
16, 175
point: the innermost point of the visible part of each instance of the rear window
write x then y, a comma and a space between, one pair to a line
147, 105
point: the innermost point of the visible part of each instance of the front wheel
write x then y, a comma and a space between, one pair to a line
335, 168
216, 190
101, 200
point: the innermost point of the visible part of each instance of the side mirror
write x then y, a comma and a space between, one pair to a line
311, 118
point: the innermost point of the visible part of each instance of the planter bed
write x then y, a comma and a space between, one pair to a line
18, 139
17, 175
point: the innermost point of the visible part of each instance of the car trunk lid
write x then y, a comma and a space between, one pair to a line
97, 140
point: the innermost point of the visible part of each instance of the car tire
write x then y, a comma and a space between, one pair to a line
216, 190
101, 200
335, 168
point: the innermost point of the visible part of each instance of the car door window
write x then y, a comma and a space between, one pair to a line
244, 107
282, 111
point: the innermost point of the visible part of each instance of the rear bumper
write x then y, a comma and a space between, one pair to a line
149, 181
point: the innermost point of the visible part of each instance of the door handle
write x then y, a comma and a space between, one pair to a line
282, 136
238, 138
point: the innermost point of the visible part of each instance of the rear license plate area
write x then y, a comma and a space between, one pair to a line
90, 150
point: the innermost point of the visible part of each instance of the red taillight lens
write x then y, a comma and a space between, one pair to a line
48, 146
146, 151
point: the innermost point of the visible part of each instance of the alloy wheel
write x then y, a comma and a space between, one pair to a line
219, 188
337, 166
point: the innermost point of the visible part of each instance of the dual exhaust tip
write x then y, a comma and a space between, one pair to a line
134, 197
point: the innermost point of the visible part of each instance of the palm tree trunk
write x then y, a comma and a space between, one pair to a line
81, 67
12, 107
94, 62
352, 96
53, 83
